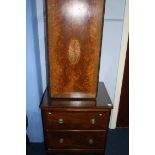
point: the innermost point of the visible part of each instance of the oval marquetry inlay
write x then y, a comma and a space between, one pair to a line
74, 51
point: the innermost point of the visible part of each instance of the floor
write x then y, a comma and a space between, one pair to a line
117, 144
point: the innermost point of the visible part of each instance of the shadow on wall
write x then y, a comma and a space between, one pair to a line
34, 89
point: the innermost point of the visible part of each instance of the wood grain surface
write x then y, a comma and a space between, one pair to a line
76, 139
74, 30
69, 124
75, 151
102, 102
76, 120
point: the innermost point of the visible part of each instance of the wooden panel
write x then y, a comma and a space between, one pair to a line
74, 41
76, 140
76, 151
77, 120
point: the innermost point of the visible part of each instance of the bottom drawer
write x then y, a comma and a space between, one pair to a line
76, 152
76, 139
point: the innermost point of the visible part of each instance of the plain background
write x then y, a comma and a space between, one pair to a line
13, 77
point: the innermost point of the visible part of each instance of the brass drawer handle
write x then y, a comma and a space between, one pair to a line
91, 141
61, 140
49, 113
93, 121
61, 121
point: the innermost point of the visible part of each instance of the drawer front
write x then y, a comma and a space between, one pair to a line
76, 151
76, 120
76, 140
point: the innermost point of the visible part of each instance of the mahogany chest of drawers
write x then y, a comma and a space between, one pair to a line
76, 126
76, 107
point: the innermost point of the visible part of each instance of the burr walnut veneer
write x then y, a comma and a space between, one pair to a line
76, 126
74, 33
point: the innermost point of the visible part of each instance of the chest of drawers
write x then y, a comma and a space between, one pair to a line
76, 126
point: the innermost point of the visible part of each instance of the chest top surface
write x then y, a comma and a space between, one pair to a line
102, 101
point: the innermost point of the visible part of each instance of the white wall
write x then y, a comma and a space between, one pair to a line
112, 33
122, 57
111, 43
114, 9
40, 17
110, 55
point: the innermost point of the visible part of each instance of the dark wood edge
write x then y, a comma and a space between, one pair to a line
42, 99
73, 99
107, 132
43, 107
44, 130
47, 49
70, 150
85, 96
83, 109
60, 130
45, 39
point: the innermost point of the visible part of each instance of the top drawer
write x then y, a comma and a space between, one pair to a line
76, 120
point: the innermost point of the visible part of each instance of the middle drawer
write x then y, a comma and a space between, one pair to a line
76, 120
